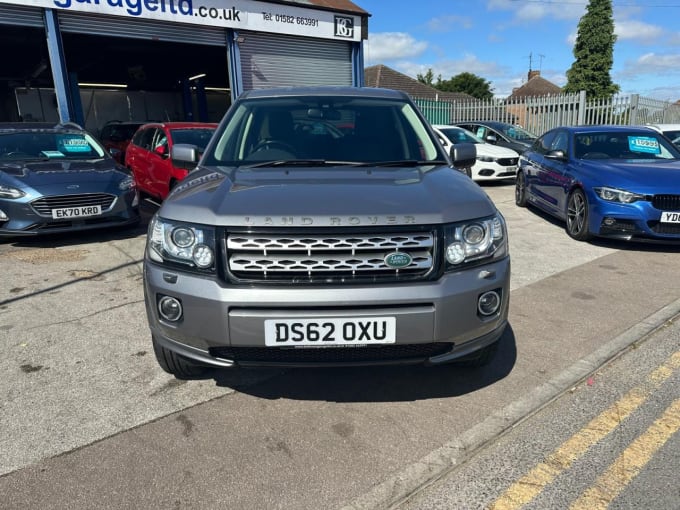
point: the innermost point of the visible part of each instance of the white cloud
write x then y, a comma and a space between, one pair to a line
637, 31
652, 63
387, 46
449, 23
528, 12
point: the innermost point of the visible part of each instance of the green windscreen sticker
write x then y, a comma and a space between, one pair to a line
73, 144
644, 144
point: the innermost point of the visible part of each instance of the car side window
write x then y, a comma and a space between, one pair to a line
160, 139
560, 142
147, 138
543, 144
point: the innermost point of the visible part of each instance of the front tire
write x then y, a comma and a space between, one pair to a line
577, 216
176, 365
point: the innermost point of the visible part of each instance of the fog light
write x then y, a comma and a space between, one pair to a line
3, 216
170, 308
489, 303
609, 221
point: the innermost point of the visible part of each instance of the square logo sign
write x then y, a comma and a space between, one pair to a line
344, 26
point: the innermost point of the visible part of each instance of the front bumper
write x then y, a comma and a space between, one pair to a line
638, 221
223, 325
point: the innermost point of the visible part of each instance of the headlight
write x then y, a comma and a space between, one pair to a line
476, 240
9, 192
487, 159
191, 245
127, 183
617, 195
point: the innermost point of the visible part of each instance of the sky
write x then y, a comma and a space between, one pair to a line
501, 40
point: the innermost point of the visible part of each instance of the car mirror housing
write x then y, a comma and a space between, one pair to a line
463, 155
557, 154
185, 152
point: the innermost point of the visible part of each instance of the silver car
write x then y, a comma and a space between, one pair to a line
325, 227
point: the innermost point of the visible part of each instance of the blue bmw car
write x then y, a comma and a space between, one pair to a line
604, 181
56, 179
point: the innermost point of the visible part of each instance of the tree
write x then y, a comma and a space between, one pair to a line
594, 52
428, 78
467, 83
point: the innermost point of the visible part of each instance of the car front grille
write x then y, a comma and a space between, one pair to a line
328, 257
368, 354
664, 228
666, 202
508, 161
44, 206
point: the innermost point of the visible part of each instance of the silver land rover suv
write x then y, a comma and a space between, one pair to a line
325, 227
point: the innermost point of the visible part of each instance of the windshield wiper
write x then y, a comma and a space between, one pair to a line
400, 162
301, 162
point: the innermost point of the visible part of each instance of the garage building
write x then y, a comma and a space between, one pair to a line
95, 61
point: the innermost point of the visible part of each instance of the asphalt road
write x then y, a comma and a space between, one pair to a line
90, 421
611, 442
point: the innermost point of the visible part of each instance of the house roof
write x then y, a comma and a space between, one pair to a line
337, 5
386, 77
536, 86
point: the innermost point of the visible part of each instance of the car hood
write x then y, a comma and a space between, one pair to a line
327, 196
641, 176
53, 173
495, 151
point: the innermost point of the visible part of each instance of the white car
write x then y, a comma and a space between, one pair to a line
670, 131
493, 162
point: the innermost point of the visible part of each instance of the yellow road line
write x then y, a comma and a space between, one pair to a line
530, 485
630, 462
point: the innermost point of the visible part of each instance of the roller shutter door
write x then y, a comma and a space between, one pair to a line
273, 60
22, 16
141, 29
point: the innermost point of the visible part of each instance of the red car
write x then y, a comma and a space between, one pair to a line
148, 155
116, 136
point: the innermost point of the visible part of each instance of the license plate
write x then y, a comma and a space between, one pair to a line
670, 217
76, 212
329, 332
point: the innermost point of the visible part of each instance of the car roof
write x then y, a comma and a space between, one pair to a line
664, 127
39, 126
178, 124
346, 91
599, 128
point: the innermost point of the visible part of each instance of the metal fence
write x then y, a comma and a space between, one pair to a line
540, 113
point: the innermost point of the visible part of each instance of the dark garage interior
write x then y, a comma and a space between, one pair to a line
131, 78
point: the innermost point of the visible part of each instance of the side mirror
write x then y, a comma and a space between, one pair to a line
185, 155
463, 155
557, 154
491, 139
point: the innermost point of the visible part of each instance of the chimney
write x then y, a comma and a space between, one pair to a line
533, 73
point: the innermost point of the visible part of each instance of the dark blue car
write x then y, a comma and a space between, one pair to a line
606, 181
56, 179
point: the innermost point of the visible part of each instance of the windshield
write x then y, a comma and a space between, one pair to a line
518, 133
322, 129
623, 145
195, 136
45, 145
460, 136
